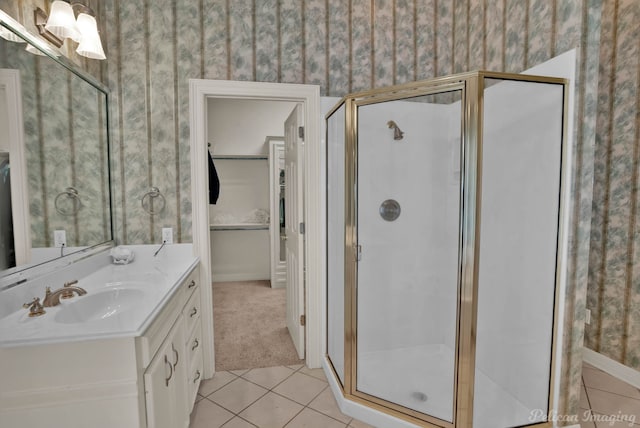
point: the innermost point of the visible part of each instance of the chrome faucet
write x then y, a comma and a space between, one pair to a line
52, 298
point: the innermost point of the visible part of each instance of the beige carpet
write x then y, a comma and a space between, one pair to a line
250, 327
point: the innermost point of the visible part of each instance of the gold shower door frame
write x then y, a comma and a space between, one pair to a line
471, 86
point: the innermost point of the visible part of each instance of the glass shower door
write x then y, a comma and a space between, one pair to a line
408, 193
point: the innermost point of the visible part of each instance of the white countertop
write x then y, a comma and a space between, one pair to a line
154, 279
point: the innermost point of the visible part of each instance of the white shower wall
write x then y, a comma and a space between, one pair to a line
518, 233
408, 266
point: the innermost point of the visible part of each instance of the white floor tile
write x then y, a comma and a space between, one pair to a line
607, 403
268, 377
326, 403
357, 424
218, 380
584, 402
594, 378
237, 395
208, 415
311, 419
317, 373
271, 411
300, 388
238, 423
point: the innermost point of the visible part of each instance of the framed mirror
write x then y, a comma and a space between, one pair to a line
55, 192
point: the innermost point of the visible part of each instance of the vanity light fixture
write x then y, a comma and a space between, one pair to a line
62, 24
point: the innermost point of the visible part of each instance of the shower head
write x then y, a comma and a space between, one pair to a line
397, 133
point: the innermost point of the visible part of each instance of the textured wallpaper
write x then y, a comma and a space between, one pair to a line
342, 46
614, 268
66, 145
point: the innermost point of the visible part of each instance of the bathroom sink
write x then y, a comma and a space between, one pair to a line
101, 305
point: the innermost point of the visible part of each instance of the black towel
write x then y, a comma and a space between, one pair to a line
214, 182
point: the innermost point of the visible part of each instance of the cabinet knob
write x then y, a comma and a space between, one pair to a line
193, 313
195, 344
192, 283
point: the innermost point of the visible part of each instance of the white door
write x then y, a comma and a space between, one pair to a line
294, 209
276, 202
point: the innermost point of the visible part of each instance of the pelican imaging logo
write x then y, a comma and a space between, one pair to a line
539, 415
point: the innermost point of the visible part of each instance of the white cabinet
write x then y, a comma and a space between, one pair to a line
145, 381
165, 384
172, 378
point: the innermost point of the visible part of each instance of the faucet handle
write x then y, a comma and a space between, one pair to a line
35, 308
68, 294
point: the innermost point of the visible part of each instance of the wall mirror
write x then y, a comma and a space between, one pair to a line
55, 193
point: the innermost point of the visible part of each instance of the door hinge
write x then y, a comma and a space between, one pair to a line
302, 228
358, 253
301, 132
303, 320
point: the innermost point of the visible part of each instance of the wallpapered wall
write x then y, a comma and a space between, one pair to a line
342, 46
57, 156
614, 267
65, 140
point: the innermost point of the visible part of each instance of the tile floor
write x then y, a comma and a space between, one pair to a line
296, 396
607, 401
272, 397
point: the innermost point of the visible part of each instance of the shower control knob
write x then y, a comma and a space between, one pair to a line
390, 210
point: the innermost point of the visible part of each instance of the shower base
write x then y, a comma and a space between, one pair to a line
407, 376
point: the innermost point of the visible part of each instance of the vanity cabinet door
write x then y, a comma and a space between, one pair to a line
165, 382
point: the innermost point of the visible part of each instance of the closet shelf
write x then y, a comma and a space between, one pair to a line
239, 226
240, 157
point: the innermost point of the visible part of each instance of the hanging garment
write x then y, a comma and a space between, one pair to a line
214, 182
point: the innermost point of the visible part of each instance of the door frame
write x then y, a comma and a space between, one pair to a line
10, 81
314, 277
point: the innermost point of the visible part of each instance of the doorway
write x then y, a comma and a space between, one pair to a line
256, 318
312, 216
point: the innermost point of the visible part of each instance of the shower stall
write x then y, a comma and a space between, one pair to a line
444, 234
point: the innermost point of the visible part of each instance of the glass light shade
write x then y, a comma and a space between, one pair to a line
62, 21
90, 43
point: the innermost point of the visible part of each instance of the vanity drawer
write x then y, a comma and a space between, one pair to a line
190, 284
151, 340
194, 343
191, 310
194, 376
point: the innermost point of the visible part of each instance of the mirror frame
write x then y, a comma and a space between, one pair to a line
17, 275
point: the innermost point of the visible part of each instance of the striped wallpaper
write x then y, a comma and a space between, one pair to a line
63, 140
613, 294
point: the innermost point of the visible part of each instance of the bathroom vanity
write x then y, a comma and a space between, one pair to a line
126, 354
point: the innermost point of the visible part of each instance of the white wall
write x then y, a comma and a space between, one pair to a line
239, 127
519, 219
407, 278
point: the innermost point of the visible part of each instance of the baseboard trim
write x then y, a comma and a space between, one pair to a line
614, 368
238, 277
